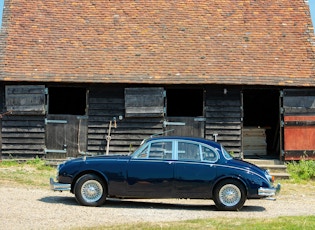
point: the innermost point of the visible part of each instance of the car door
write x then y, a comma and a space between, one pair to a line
194, 171
150, 173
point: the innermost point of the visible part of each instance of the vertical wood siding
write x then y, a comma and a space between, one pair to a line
223, 117
107, 103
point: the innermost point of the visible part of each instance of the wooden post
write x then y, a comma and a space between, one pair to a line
108, 137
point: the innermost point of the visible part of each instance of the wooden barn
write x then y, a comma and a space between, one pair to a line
99, 76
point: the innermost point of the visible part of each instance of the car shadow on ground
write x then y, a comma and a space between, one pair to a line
136, 204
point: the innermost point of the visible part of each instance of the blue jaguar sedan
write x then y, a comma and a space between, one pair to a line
166, 167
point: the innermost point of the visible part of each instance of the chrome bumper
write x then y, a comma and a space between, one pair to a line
59, 186
269, 191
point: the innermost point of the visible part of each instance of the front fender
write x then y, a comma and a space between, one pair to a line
89, 171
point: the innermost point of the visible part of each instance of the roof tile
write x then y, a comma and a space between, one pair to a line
158, 42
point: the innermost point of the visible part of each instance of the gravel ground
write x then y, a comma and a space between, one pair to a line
23, 208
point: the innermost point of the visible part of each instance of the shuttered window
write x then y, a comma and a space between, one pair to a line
25, 99
299, 101
144, 102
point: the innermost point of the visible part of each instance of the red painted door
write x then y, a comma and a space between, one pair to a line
299, 133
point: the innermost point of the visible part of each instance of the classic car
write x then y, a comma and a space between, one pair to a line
166, 167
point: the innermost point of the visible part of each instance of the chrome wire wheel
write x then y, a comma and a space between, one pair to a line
91, 191
230, 195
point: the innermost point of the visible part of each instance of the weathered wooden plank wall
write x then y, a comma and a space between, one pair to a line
223, 117
144, 102
107, 103
25, 99
2, 112
23, 136
299, 102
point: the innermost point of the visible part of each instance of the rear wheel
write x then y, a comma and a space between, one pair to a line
90, 190
229, 195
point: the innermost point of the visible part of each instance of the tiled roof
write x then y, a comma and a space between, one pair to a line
266, 42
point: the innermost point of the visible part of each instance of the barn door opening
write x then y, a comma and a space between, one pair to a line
66, 122
261, 123
185, 112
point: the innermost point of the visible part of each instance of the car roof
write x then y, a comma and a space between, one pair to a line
184, 138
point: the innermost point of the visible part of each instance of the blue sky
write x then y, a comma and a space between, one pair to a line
311, 3
312, 6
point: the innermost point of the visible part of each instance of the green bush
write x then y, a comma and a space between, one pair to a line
302, 170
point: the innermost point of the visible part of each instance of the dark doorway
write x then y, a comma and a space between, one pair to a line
184, 112
184, 102
261, 123
67, 100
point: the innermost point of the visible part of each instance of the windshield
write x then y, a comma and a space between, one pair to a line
138, 150
226, 154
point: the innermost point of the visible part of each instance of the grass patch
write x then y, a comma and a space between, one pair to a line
32, 172
296, 222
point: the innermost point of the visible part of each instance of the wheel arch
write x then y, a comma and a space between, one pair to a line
99, 174
237, 178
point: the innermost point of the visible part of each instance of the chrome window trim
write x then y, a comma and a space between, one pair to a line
175, 142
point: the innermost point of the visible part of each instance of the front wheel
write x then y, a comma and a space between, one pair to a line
90, 190
229, 195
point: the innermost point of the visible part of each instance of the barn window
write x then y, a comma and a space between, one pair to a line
184, 102
67, 100
25, 99
144, 102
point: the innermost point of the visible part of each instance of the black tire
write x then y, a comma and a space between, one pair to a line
90, 190
229, 195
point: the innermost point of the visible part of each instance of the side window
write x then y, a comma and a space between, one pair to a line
161, 150
188, 151
208, 154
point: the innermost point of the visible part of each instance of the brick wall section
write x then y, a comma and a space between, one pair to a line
158, 42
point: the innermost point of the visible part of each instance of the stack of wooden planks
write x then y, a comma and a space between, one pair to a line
254, 141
